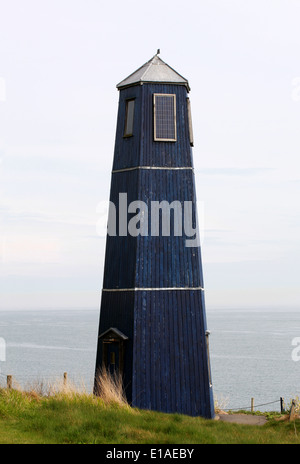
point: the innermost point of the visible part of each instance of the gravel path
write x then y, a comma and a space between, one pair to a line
246, 419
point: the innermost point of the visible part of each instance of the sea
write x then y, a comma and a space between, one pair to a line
254, 353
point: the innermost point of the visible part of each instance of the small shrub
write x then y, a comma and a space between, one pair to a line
220, 403
297, 404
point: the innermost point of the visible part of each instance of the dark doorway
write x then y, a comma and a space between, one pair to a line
111, 357
113, 342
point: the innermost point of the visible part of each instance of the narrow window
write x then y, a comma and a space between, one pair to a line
207, 333
112, 357
190, 122
164, 117
129, 118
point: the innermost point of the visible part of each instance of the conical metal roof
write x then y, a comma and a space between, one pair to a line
155, 70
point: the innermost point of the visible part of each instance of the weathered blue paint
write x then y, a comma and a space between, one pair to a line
166, 364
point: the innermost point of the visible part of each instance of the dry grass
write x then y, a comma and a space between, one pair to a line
110, 388
43, 388
221, 402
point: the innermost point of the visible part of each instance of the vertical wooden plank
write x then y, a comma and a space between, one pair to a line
282, 407
196, 345
148, 339
186, 389
9, 382
173, 351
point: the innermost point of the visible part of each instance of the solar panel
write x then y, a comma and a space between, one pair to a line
165, 117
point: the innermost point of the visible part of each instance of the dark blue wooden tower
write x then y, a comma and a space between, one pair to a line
152, 322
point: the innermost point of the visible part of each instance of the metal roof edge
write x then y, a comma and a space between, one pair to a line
126, 86
134, 72
143, 79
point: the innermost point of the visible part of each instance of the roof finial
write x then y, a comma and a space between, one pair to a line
158, 51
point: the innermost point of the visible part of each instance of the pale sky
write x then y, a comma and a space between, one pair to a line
60, 62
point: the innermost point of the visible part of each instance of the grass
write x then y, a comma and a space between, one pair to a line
66, 416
